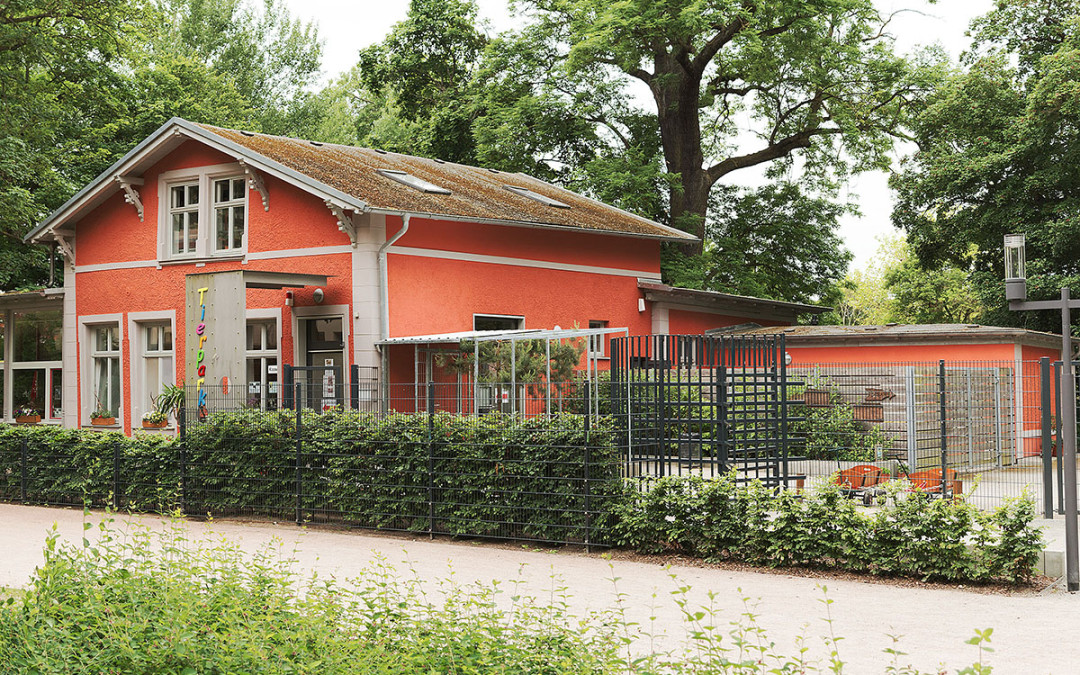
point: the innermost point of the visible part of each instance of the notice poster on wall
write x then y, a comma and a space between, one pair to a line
329, 385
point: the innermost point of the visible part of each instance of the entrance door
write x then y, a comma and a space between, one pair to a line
324, 349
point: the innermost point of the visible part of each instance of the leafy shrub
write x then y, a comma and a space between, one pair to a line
832, 432
911, 535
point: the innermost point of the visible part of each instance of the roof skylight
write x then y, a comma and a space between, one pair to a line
412, 181
536, 196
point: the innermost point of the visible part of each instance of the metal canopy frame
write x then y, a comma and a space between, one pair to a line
592, 361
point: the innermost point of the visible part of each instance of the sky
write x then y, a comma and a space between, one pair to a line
346, 26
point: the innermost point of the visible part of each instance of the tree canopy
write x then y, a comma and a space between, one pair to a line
999, 153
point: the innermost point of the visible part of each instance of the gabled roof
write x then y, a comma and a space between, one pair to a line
350, 178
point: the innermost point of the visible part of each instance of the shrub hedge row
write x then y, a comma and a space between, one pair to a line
496, 475
910, 534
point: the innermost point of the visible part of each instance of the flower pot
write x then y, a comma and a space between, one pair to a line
869, 412
28, 419
816, 398
154, 425
103, 421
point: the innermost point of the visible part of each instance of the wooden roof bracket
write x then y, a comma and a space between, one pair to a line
131, 195
345, 222
255, 182
67, 248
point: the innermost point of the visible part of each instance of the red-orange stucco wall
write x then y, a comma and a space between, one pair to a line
684, 322
112, 233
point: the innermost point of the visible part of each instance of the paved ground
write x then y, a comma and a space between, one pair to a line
1030, 632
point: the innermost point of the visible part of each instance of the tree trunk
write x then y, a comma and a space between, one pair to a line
677, 95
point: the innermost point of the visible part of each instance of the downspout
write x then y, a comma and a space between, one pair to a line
384, 291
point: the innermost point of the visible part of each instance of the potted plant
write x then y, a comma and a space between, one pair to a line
171, 399
154, 419
102, 416
27, 415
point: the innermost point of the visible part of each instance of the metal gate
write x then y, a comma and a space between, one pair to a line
705, 405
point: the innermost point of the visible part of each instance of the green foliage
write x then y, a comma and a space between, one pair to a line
998, 140
831, 432
909, 535
141, 601
496, 475
528, 362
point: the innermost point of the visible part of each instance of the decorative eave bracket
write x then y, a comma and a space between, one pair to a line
131, 195
67, 248
255, 182
345, 222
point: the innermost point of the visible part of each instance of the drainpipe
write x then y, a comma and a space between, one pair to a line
384, 291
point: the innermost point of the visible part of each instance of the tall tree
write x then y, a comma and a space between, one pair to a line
55, 80
815, 78
998, 152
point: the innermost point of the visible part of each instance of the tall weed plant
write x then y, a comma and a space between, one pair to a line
141, 602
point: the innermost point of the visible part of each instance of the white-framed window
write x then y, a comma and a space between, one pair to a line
158, 368
205, 212
184, 218
262, 363
230, 200
31, 362
105, 368
598, 343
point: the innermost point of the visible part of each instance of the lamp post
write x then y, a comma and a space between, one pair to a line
1016, 294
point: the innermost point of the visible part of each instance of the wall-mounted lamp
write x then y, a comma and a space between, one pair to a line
641, 304
318, 296
1015, 268
288, 299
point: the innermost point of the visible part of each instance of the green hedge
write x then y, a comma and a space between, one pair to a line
496, 475
910, 535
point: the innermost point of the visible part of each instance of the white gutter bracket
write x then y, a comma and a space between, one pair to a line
131, 195
345, 222
255, 182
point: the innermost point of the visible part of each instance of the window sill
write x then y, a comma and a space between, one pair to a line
155, 430
102, 427
233, 257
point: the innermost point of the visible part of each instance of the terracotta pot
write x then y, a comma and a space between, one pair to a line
28, 419
103, 421
154, 425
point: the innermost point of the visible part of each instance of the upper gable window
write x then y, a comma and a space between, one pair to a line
230, 198
413, 182
184, 217
205, 215
536, 197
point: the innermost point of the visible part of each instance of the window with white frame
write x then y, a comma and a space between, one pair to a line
157, 365
36, 366
230, 199
205, 212
105, 368
598, 343
262, 364
184, 218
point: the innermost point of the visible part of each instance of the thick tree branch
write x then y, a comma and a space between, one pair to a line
781, 148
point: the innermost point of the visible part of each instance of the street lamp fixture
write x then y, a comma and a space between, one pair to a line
1016, 294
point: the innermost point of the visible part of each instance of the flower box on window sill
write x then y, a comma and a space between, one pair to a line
28, 419
103, 421
154, 425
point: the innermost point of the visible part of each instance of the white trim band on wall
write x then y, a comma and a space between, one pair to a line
518, 262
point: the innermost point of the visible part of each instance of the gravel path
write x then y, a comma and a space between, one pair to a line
1030, 631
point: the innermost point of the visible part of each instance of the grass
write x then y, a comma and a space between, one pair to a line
141, 601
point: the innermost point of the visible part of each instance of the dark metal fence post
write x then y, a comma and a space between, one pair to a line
116, 476
354, 387
299, 457
288, 400
22, 470
1057, 431
1047, 450
431, 458
181, 423
588, 476
944, 440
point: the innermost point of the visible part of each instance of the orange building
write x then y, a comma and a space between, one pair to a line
212, 257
